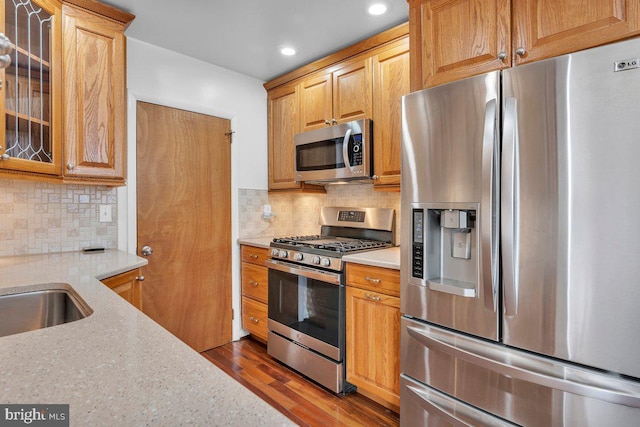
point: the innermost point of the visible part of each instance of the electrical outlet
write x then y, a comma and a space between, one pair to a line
105, 213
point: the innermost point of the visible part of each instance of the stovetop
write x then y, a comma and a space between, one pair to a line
339, 245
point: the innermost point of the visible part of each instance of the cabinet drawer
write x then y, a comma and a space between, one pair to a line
254, 255
383, 280
255, 280
254, 318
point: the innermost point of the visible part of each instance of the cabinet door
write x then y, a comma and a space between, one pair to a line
373, 345
352, 93
94, 82
390, 83
30, 107
283, 125
547, 28
315, 102
254, 318
458, 38
128, 286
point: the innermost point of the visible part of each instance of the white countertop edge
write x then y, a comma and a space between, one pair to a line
385, 258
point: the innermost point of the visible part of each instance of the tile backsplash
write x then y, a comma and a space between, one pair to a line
298, 214
40, 217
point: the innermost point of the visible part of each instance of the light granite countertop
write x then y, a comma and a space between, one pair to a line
386, 258
117, 366
260, 242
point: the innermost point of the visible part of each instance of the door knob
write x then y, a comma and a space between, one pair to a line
146, 250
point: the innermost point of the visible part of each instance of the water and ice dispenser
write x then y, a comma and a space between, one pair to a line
445, 251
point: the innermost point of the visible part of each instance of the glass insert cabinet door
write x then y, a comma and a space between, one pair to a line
31, 85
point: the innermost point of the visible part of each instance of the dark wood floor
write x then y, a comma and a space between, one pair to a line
304, 402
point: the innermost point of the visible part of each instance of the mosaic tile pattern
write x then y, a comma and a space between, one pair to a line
298, 214
40, 217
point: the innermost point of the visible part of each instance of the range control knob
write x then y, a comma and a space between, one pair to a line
315, 260
298, 256
283, 254
326, 262
275, 252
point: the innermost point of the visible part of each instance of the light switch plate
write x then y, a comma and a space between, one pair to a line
105, 213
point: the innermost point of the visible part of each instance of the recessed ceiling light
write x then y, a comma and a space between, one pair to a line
288, 51
377, 9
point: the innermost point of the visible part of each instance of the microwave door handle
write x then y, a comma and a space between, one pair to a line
345, 149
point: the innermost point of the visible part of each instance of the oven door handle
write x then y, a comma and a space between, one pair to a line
311, 273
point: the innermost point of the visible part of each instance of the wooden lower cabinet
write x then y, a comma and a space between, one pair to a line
255, 278
373, 340
128, 285
254, 318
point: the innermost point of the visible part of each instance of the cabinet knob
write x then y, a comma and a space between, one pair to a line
327, 122
254, 320
253, 256
502, 56
253, 283
334, 121
70, 166
375, 177
369, 279
140, 278
5, 46
5, 61
520, 51
5, 156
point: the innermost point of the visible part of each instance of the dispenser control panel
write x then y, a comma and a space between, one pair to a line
417, 257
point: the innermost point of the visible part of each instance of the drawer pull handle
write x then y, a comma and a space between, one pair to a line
254, 320
254, 284
372, 297
369, 279
254, 256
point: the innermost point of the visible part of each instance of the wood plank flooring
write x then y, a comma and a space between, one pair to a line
301, 400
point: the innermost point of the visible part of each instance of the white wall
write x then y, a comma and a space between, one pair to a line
167, 78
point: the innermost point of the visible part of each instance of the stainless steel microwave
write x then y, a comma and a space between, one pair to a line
335, 153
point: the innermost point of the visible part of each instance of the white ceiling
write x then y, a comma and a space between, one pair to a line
246, 36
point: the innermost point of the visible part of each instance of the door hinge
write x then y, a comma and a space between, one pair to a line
230, 135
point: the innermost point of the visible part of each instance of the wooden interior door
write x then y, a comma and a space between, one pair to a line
184, 215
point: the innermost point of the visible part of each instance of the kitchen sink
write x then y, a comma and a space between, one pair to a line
28, 311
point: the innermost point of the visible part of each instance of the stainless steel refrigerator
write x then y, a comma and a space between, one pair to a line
521, 245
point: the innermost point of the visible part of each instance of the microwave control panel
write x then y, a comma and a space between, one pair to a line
355, 150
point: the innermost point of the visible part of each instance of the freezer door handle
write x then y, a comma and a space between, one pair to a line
510, 207
433, 408
535, 370
489, 212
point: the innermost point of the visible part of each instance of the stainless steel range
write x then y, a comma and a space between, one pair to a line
307, 290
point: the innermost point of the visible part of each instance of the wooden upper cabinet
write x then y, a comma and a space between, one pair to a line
282, 107
316, 109
547, 28
390, 83
343, 95
94, 97
352, 93
454, 39
31, 92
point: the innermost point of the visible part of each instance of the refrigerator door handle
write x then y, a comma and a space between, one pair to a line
433, 408
489, 212
530, 368
510, 206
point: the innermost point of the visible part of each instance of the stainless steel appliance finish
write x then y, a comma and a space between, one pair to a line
28, 311
556, 326
334, 153
306, 309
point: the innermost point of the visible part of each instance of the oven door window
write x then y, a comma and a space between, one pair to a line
321, 155
307, 305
